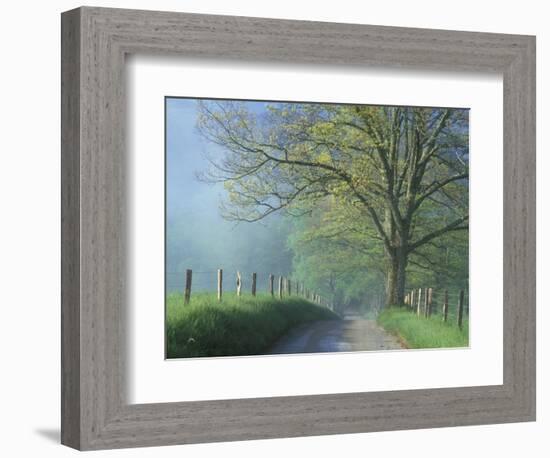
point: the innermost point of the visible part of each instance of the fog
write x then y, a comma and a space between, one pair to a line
197, 237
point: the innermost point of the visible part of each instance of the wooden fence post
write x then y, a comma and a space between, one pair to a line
271, 278
425, 303
239, 283
419, 301
429, 311
445, 305
460, 308
280, 287
412, 300
254, 283
188, 280
220, 282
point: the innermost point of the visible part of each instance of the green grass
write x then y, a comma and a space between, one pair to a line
237, 326
420, 332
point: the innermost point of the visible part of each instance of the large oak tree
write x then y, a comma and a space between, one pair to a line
396, 175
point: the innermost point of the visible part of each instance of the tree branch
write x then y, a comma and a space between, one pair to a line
454, 226
436, 185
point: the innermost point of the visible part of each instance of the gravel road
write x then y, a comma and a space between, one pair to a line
336, 335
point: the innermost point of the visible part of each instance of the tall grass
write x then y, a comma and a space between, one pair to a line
248, 325
419, 332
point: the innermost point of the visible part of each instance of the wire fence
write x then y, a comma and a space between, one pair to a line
222, 281
206, 281
451, 306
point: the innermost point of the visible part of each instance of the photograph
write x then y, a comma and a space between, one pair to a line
306, 227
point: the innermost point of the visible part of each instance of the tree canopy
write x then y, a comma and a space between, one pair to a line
376, 191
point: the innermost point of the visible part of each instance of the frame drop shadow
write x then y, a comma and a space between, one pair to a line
53, 435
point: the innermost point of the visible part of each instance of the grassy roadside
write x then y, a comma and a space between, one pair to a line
420, 332
237, 326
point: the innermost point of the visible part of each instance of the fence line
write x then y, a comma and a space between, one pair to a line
284, 287
421, 302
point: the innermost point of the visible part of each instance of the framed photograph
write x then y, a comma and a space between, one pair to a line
277, 228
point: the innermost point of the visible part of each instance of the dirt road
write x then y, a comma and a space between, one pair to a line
336, 335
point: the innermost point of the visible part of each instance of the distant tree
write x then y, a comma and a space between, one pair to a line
342, 258
398, 175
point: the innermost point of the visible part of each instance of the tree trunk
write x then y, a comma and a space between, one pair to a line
395, 280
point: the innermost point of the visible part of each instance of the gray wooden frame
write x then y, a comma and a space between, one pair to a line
95, 413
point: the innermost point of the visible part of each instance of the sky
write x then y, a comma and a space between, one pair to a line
197, 237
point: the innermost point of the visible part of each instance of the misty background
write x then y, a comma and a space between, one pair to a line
197, 237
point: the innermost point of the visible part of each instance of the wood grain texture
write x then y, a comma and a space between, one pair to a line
95, 411
70, 229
